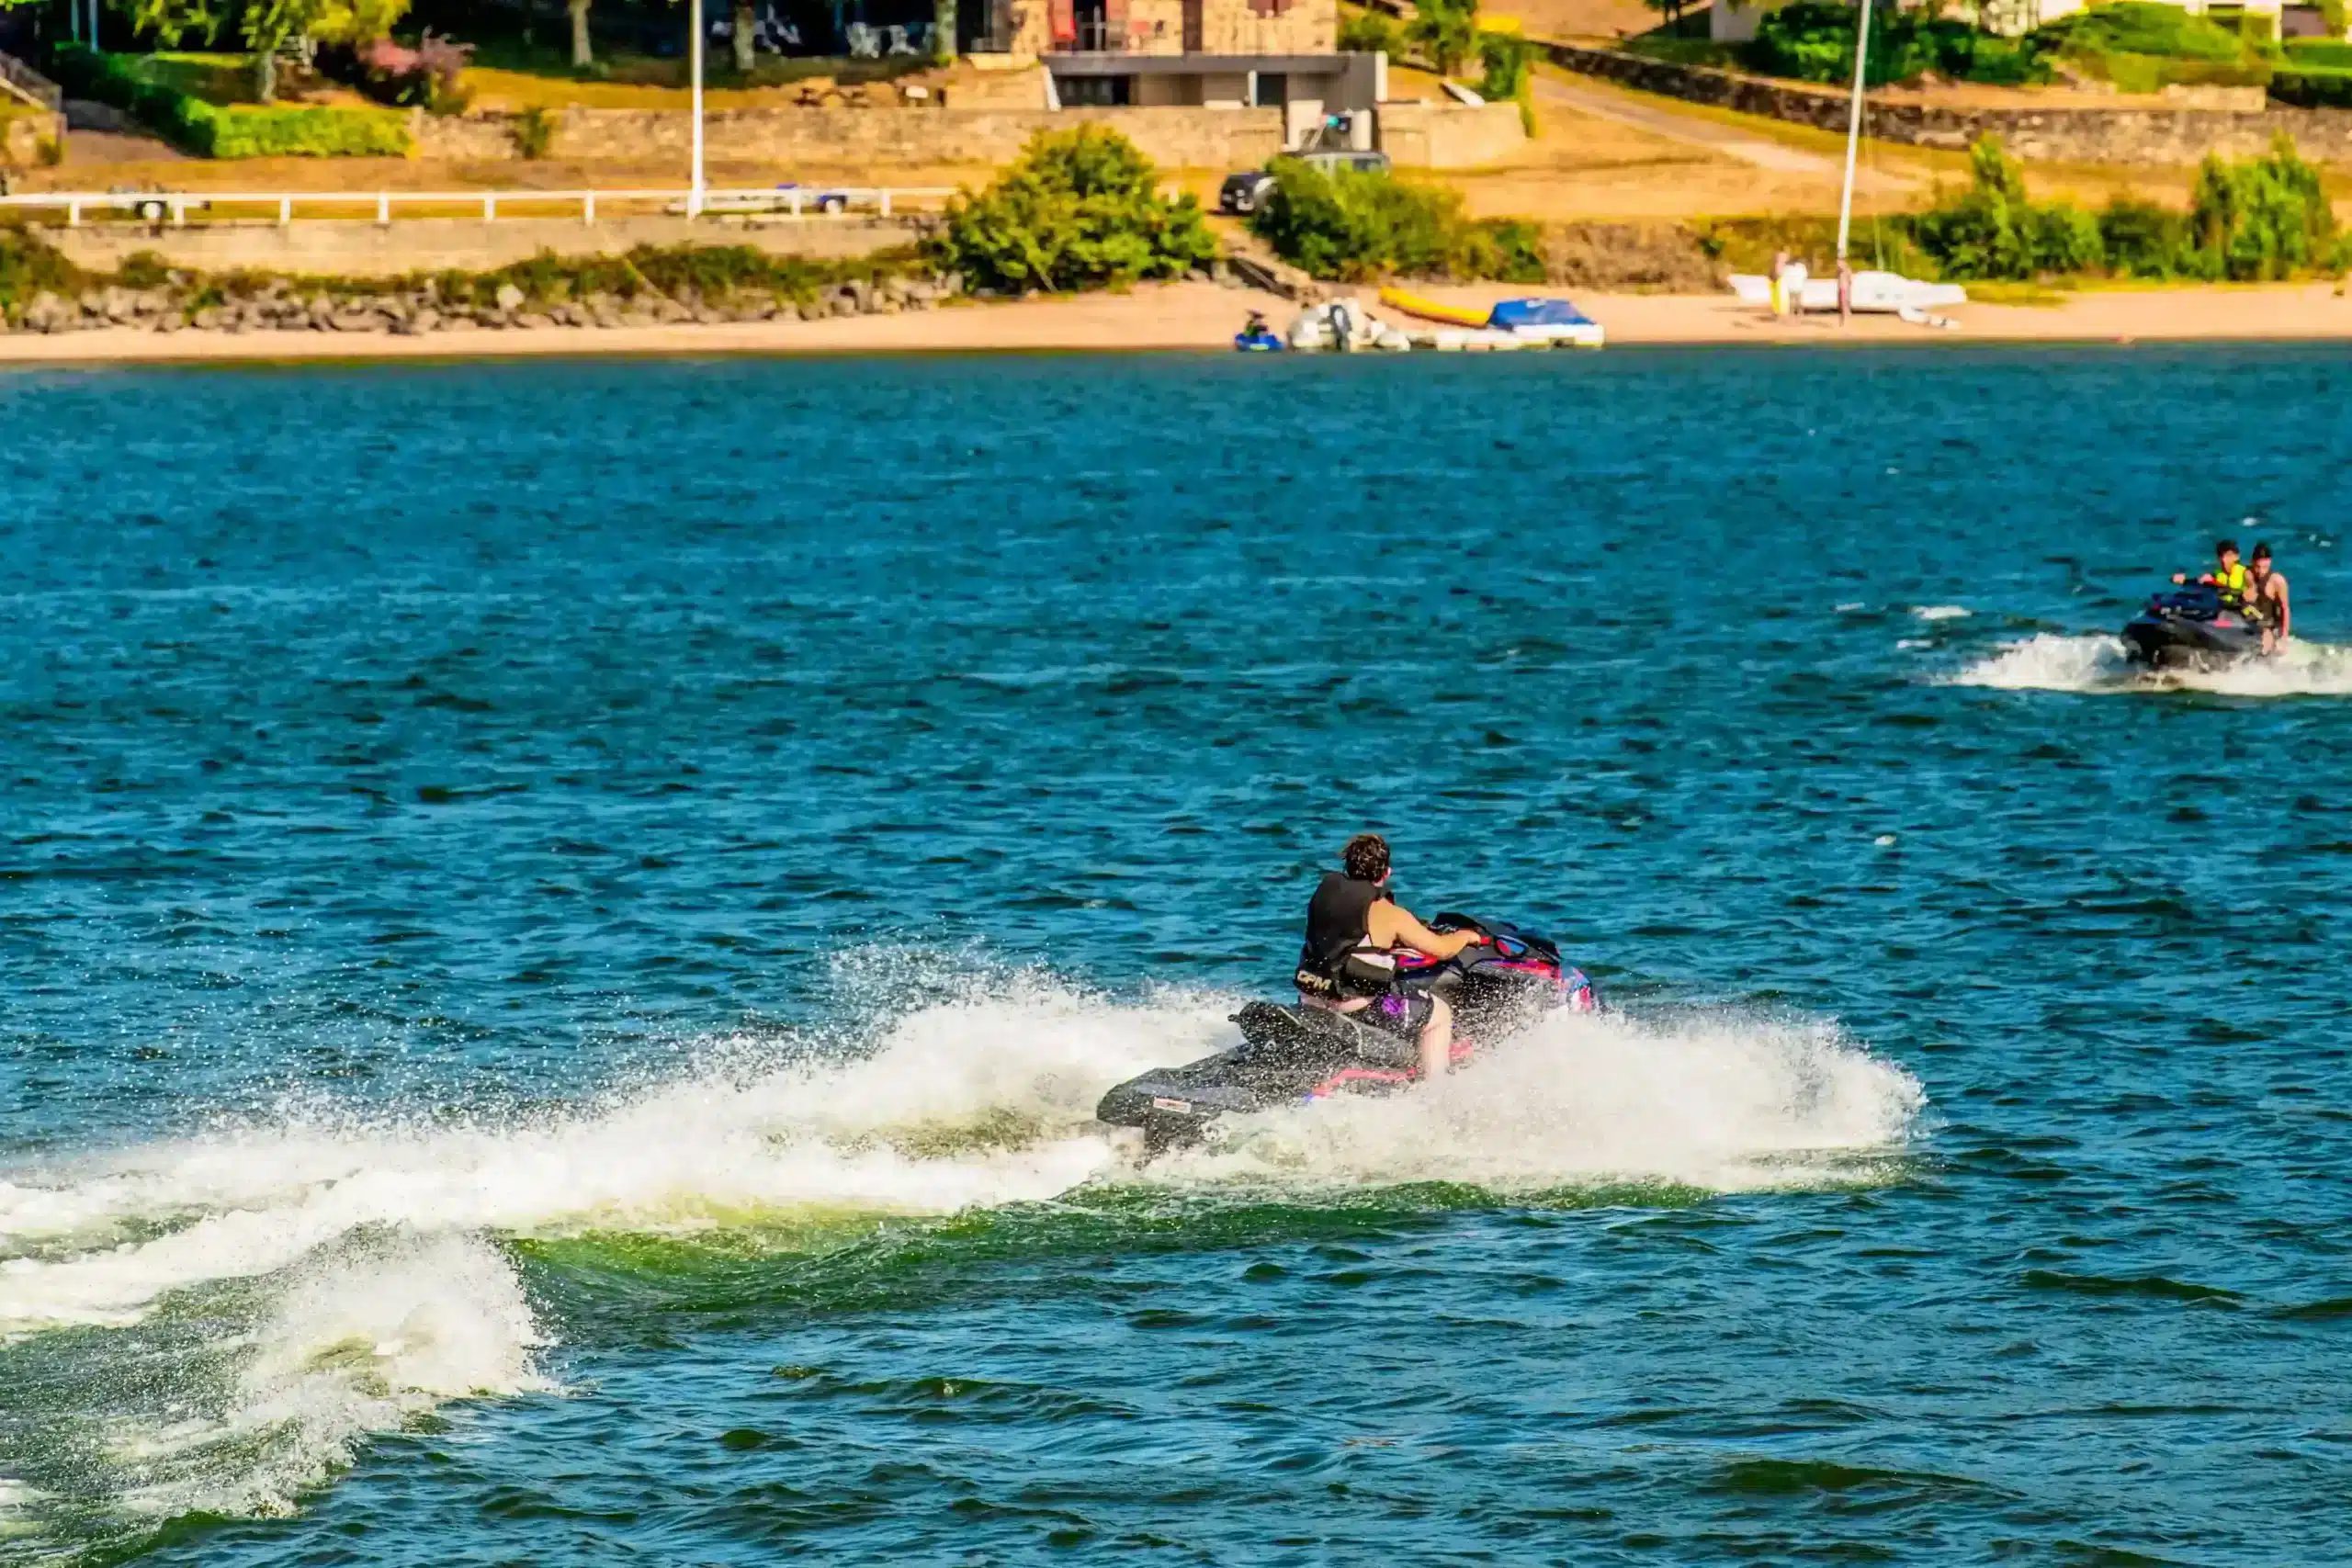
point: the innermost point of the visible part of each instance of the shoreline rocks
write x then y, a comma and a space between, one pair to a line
276, 305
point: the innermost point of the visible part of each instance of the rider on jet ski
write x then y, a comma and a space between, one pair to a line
2228, 576
1353, 927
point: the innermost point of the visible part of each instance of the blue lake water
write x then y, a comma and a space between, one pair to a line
559, 925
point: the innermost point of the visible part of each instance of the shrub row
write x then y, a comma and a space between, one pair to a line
1354, 224
2250, 220
2139, 45
238, 130
1812, 41
2313, 86
716, 274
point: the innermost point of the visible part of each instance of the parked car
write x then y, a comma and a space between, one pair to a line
1241, 193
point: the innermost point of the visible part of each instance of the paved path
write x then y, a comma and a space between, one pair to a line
1697, 131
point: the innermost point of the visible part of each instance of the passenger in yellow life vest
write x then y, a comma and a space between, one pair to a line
2228, 576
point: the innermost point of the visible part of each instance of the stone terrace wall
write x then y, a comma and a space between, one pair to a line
2150, 136
1172, 138
363, 248
23, 133
1450, 135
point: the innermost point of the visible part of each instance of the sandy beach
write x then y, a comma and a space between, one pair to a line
1202, 316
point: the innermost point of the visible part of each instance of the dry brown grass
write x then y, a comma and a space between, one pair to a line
1576, 18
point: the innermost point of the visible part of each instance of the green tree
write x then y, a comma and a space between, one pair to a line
1079, 209
1369, 32
265, 26
1670, 9
1504, 58
2261, 218
1445, 32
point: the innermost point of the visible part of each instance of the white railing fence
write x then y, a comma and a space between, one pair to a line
783, 201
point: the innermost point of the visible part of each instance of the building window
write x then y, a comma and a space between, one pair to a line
1095, 92
1268, 7
1272, 89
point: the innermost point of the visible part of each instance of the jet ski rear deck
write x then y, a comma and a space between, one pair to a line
1293, 1053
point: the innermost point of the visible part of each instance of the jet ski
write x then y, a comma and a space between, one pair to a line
2190, 628
1295, 1054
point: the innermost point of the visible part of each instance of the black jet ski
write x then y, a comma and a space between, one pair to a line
2190, 628
1293, 1053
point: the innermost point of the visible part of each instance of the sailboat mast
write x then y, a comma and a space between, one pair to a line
1853, 130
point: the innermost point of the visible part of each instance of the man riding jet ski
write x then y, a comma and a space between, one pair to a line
2221, 618
1379, 998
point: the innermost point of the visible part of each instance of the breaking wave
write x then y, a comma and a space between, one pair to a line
322, 1279
2050, 663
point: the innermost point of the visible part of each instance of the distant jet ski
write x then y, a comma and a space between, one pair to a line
1293, 1053
2191, 628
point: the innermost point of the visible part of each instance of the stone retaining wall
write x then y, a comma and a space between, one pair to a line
1172, 138
1450, 135
2073, 135
24, 133
361, 248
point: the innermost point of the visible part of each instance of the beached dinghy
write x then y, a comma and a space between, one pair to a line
1344, 325
1875, 293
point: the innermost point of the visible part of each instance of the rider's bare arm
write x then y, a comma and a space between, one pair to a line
1402, 927
2286, 614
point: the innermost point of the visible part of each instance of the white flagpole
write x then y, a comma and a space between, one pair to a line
693, 201
1853, 131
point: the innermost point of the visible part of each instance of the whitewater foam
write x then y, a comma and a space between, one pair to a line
1939, 612
2098, 665
1721, 1102
983, 1075
365, 1337
325, 1280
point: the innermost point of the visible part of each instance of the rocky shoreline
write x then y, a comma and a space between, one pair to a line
181, 304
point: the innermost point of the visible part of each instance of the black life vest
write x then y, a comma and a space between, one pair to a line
1338, 958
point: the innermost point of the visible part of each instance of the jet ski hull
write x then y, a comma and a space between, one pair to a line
1292, 1053
2163, 644
2191, 629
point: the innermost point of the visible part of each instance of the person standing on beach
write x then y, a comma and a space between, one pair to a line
1795, 278
1780, 277
1845, 291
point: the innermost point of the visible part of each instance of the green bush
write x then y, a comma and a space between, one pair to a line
28, 266
1077, 209
2252, 219
1993, 229
1354, 225
2144, 239
1504, 58
1812, 41
2312, 87
2262, 219
2143, 26
238, 130
1371, 32
2302, 53
1445, 32
2143, 46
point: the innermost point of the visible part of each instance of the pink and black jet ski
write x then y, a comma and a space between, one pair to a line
1291, 1054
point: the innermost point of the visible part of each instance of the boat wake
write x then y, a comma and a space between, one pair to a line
216, 1324
2097, 665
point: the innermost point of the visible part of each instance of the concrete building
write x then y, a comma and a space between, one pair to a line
1191, 54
